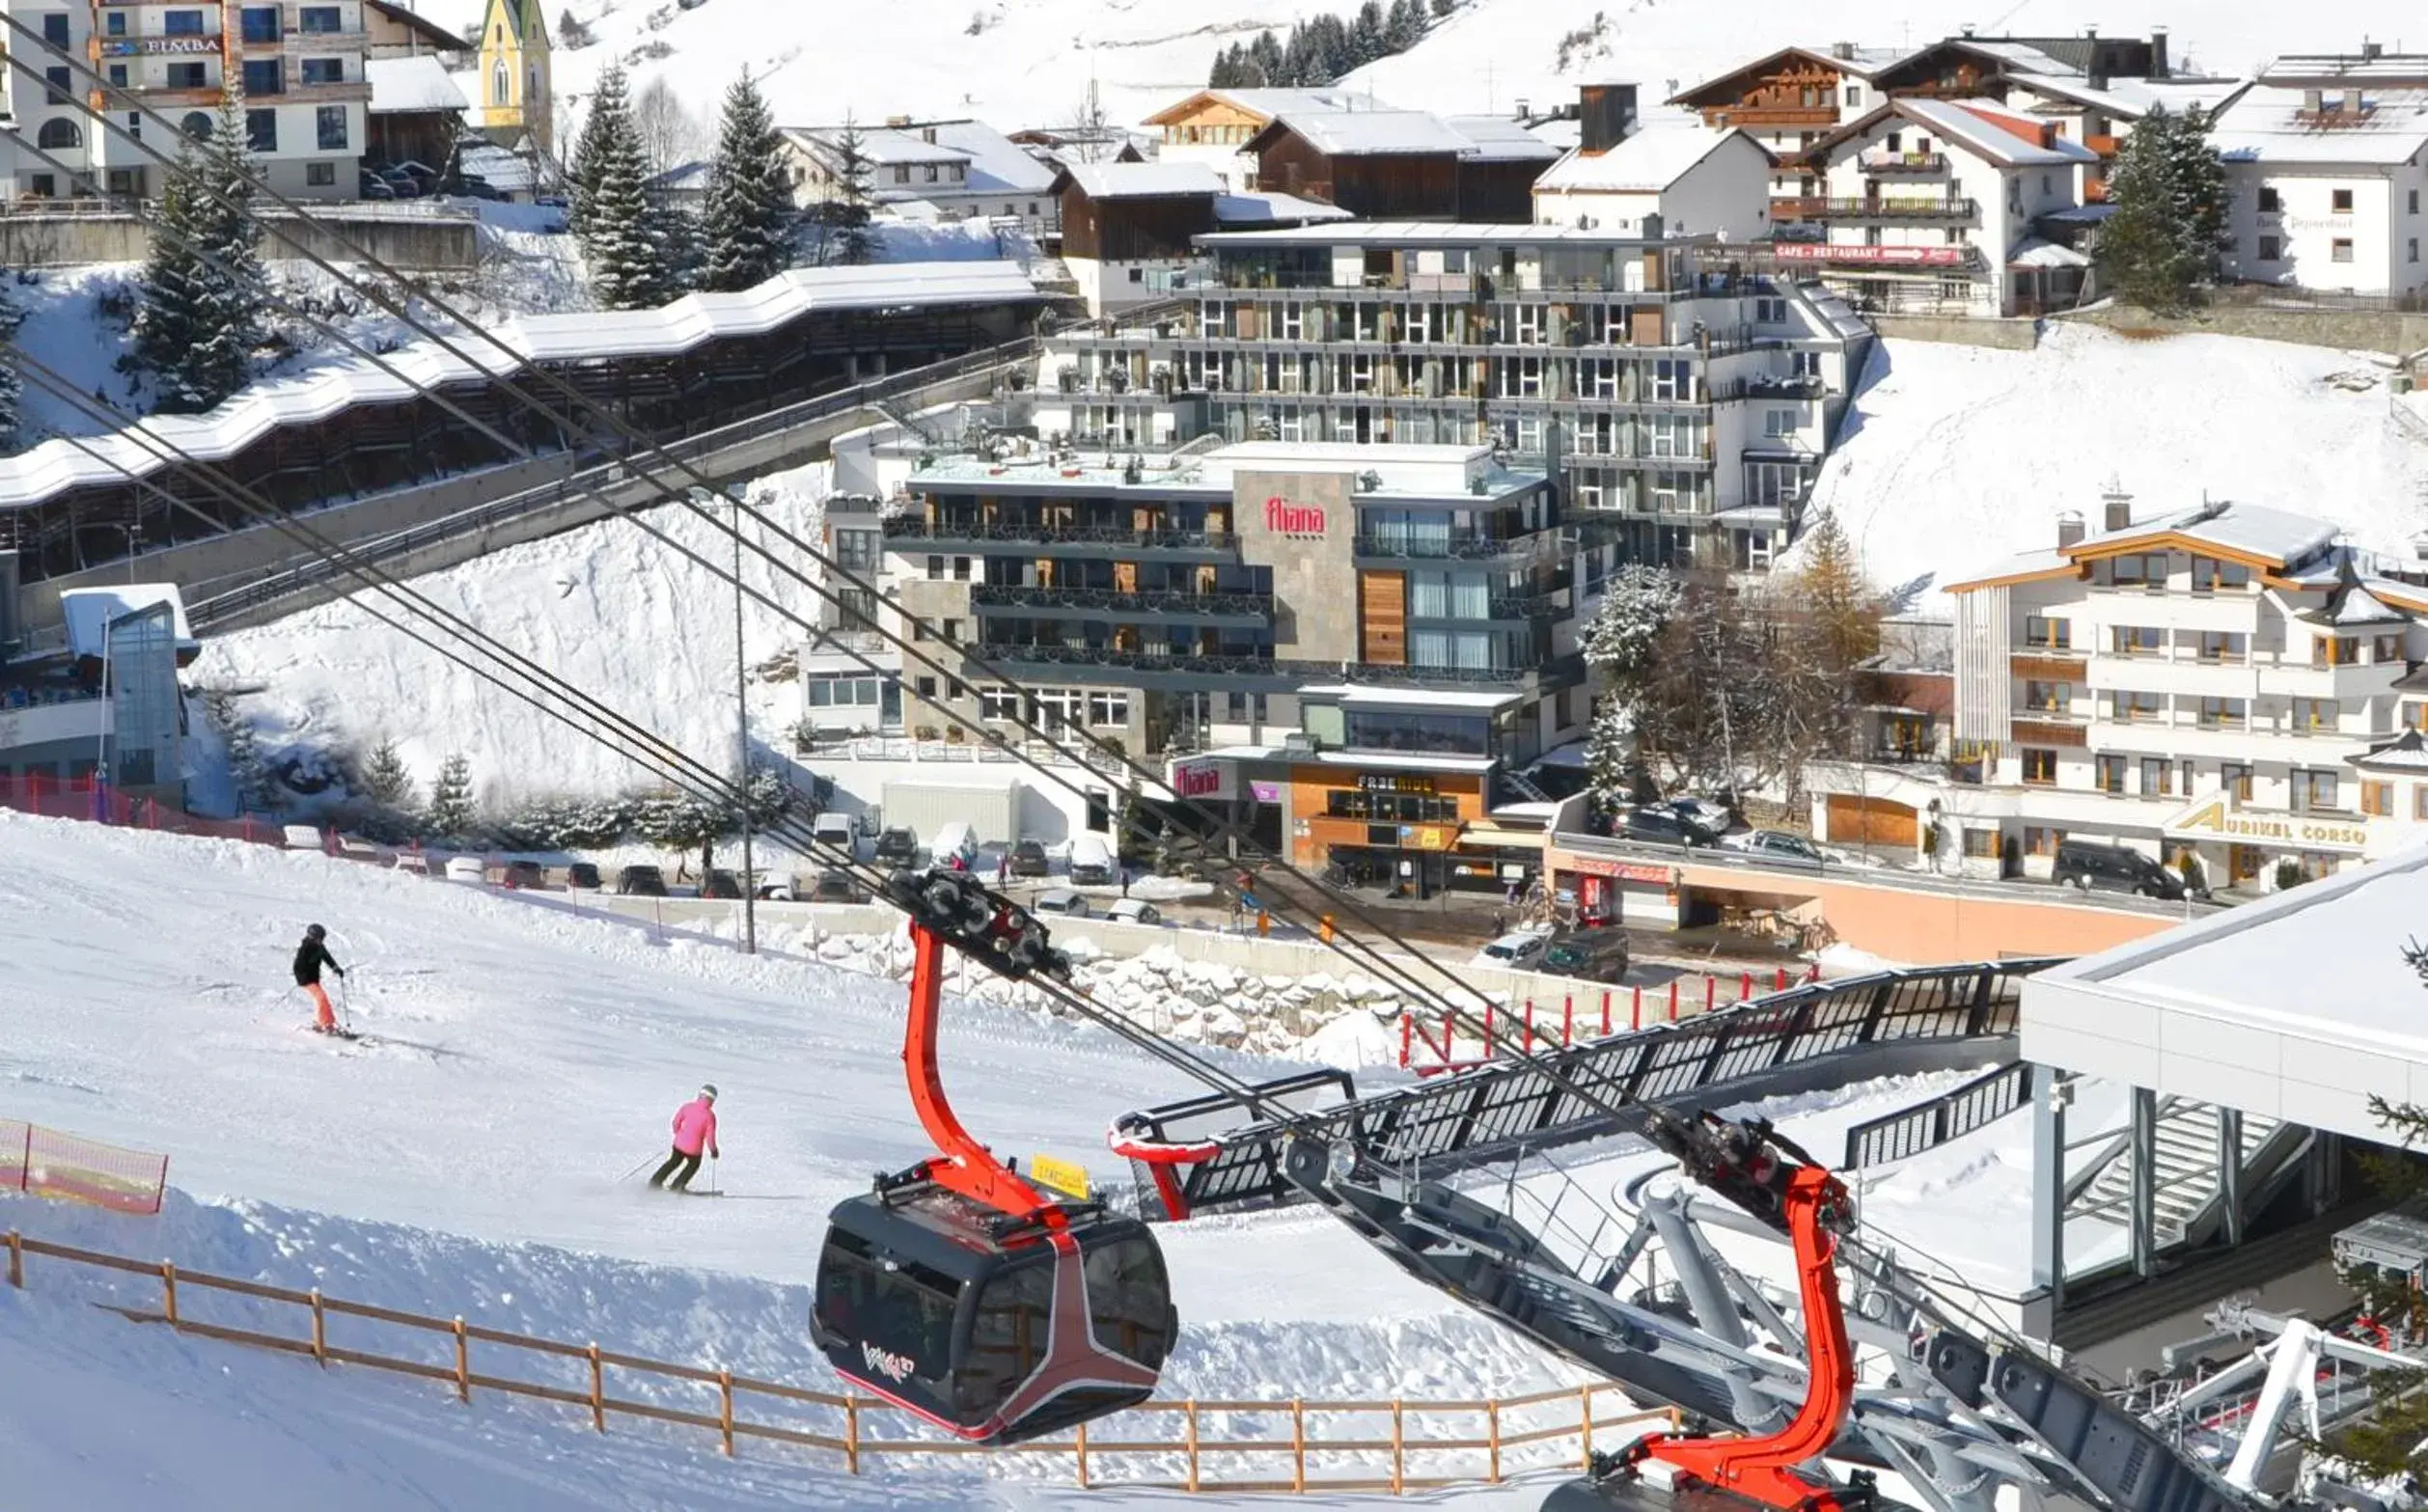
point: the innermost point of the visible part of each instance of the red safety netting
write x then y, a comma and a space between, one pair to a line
81, 798
45, 1163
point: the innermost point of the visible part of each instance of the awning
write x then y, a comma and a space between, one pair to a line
2035, 253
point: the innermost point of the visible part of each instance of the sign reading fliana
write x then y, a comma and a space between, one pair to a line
1285, 518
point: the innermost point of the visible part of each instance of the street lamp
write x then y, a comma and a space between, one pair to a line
739, 493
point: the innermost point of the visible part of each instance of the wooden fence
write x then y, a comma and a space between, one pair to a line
1297, 1446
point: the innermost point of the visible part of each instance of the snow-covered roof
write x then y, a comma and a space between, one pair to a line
89, 611
1360, 696
1498, 139
2032, 252
1430, 234
1267, 103
422, 26
2405, 752
690, 178
881, 148
1266, 207
997, 165
2386, 128
1990, 130
509, 173
1648, 162
326, 391
399, 85
2129, 99
2019, 57
1371, 133
1861, 62
2277, 535
1143, 180
2319, 68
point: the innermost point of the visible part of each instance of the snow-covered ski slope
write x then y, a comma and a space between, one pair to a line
1027, 63
1957, 456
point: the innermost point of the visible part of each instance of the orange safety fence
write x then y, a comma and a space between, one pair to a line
45, 1163
1292, 1444
99, 803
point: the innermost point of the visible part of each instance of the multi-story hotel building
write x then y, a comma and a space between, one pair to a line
1682, 400
301, 69
2227, 679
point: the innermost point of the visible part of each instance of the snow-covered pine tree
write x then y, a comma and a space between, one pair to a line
1405, 27
852, 206
748, 228
12, 386
625, 241
611, 102
1622, 646
452, 815
2168, 227
2202, 195
1365, 35
385, 780
204, 289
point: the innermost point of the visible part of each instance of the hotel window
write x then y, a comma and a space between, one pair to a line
2271, 250
2378, 799
2041, 840
183, 23
2048, 697
2269, 202
1108, 708
960, 569
2138, 709
2313, 715
2339, 250
2339, 201
325, 71
2158, 776
2223, 646
2313, 790
2235, 777
2416, 715
1854, 96
2209, 574
2043, 633
2109, 774
1982, 846
329, 120
2336, 650
2419, 802
2222, 713
2137, 639
1782, 425
1672, 378
1293, 320
2386, 648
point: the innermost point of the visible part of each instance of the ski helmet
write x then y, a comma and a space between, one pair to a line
709, 1091
314, 932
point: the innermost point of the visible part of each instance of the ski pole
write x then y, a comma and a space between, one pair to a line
712, 1177
345, 1001
637, 1169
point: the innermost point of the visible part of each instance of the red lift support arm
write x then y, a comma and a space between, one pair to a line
963, 1165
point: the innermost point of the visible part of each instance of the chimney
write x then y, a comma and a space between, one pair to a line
1605, 114
1842, 50
2157, 52
2313, 100
2091, 32
2116, 507
1967, 29
928, 133
2371, 52
2069, 530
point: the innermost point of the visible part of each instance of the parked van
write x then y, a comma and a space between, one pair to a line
836, 829
2114, 868
956, 839
1091, 861
1598, 954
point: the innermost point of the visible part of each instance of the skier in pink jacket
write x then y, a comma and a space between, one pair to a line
695, 1129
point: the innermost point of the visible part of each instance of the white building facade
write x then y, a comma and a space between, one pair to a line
2224, 680
1680, 180
2329, 187
301, 68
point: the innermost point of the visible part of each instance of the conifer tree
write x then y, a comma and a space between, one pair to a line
612, 100
1405, 28
203, 289
1365, 35
450, 813
2168, 227
627, 243
12, 386
385, 780
852, 206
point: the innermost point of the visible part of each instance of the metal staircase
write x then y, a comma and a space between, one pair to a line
2185, 1168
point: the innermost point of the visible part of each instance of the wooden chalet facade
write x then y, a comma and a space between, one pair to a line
1399, 165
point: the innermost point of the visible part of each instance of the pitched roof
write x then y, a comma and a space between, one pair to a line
2266, 126
1866, 62
2275, 535
1267, 103
402, 86
2406, 752
1648, 162
1498, 139
998, 164
437, 36
1983, 127
882, 146
1266, 207
1373, 133
1143, 180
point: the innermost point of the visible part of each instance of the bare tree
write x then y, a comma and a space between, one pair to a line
671, 134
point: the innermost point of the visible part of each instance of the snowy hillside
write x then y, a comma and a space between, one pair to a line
608, 607
1020, 62
1957, 456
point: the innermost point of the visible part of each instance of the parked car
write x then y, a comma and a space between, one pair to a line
1713, 815
467, 869
1092, 862
2114, 868
301, 836
897, 848
1060, 900
1027, 858
1776, 845
721, 884
836, 829
374, 187
1665, 826
837, 887
528, 874
1520, 951
640, 882
1597, 954
413, 863
1134, 910
583, 875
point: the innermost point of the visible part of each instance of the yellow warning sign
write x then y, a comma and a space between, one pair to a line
1070, 1180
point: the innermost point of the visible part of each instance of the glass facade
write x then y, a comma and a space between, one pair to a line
147, 716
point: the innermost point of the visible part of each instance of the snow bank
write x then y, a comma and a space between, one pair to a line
1957, 456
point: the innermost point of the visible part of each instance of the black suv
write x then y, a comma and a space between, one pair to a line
1664, 826
721, 884
2114, 868
1027, 858
898, 846
640, 882
583, 874
1598, 954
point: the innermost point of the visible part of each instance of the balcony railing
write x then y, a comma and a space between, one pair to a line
1902, 162
1455, 549
1779, 116
1112, 601
1809, 207
1002, 653
900, 527
1769, 386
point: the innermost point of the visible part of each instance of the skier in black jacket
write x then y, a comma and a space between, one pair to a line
310, 957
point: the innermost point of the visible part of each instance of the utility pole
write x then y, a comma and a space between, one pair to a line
742, 722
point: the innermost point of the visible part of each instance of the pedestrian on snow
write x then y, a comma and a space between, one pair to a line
310, 957
1003, 868
695, 1129
1500, 923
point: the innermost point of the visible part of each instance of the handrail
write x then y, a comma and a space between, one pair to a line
1570, 1414
1151, 601
287, 581
1934, 1121
1484, 1112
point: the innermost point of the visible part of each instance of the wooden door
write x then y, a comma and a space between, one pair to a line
1382, 618
1856, 820
1125, 577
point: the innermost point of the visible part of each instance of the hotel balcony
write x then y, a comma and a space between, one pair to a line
1902, 162
1242, 611
903, 531
1883, 210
